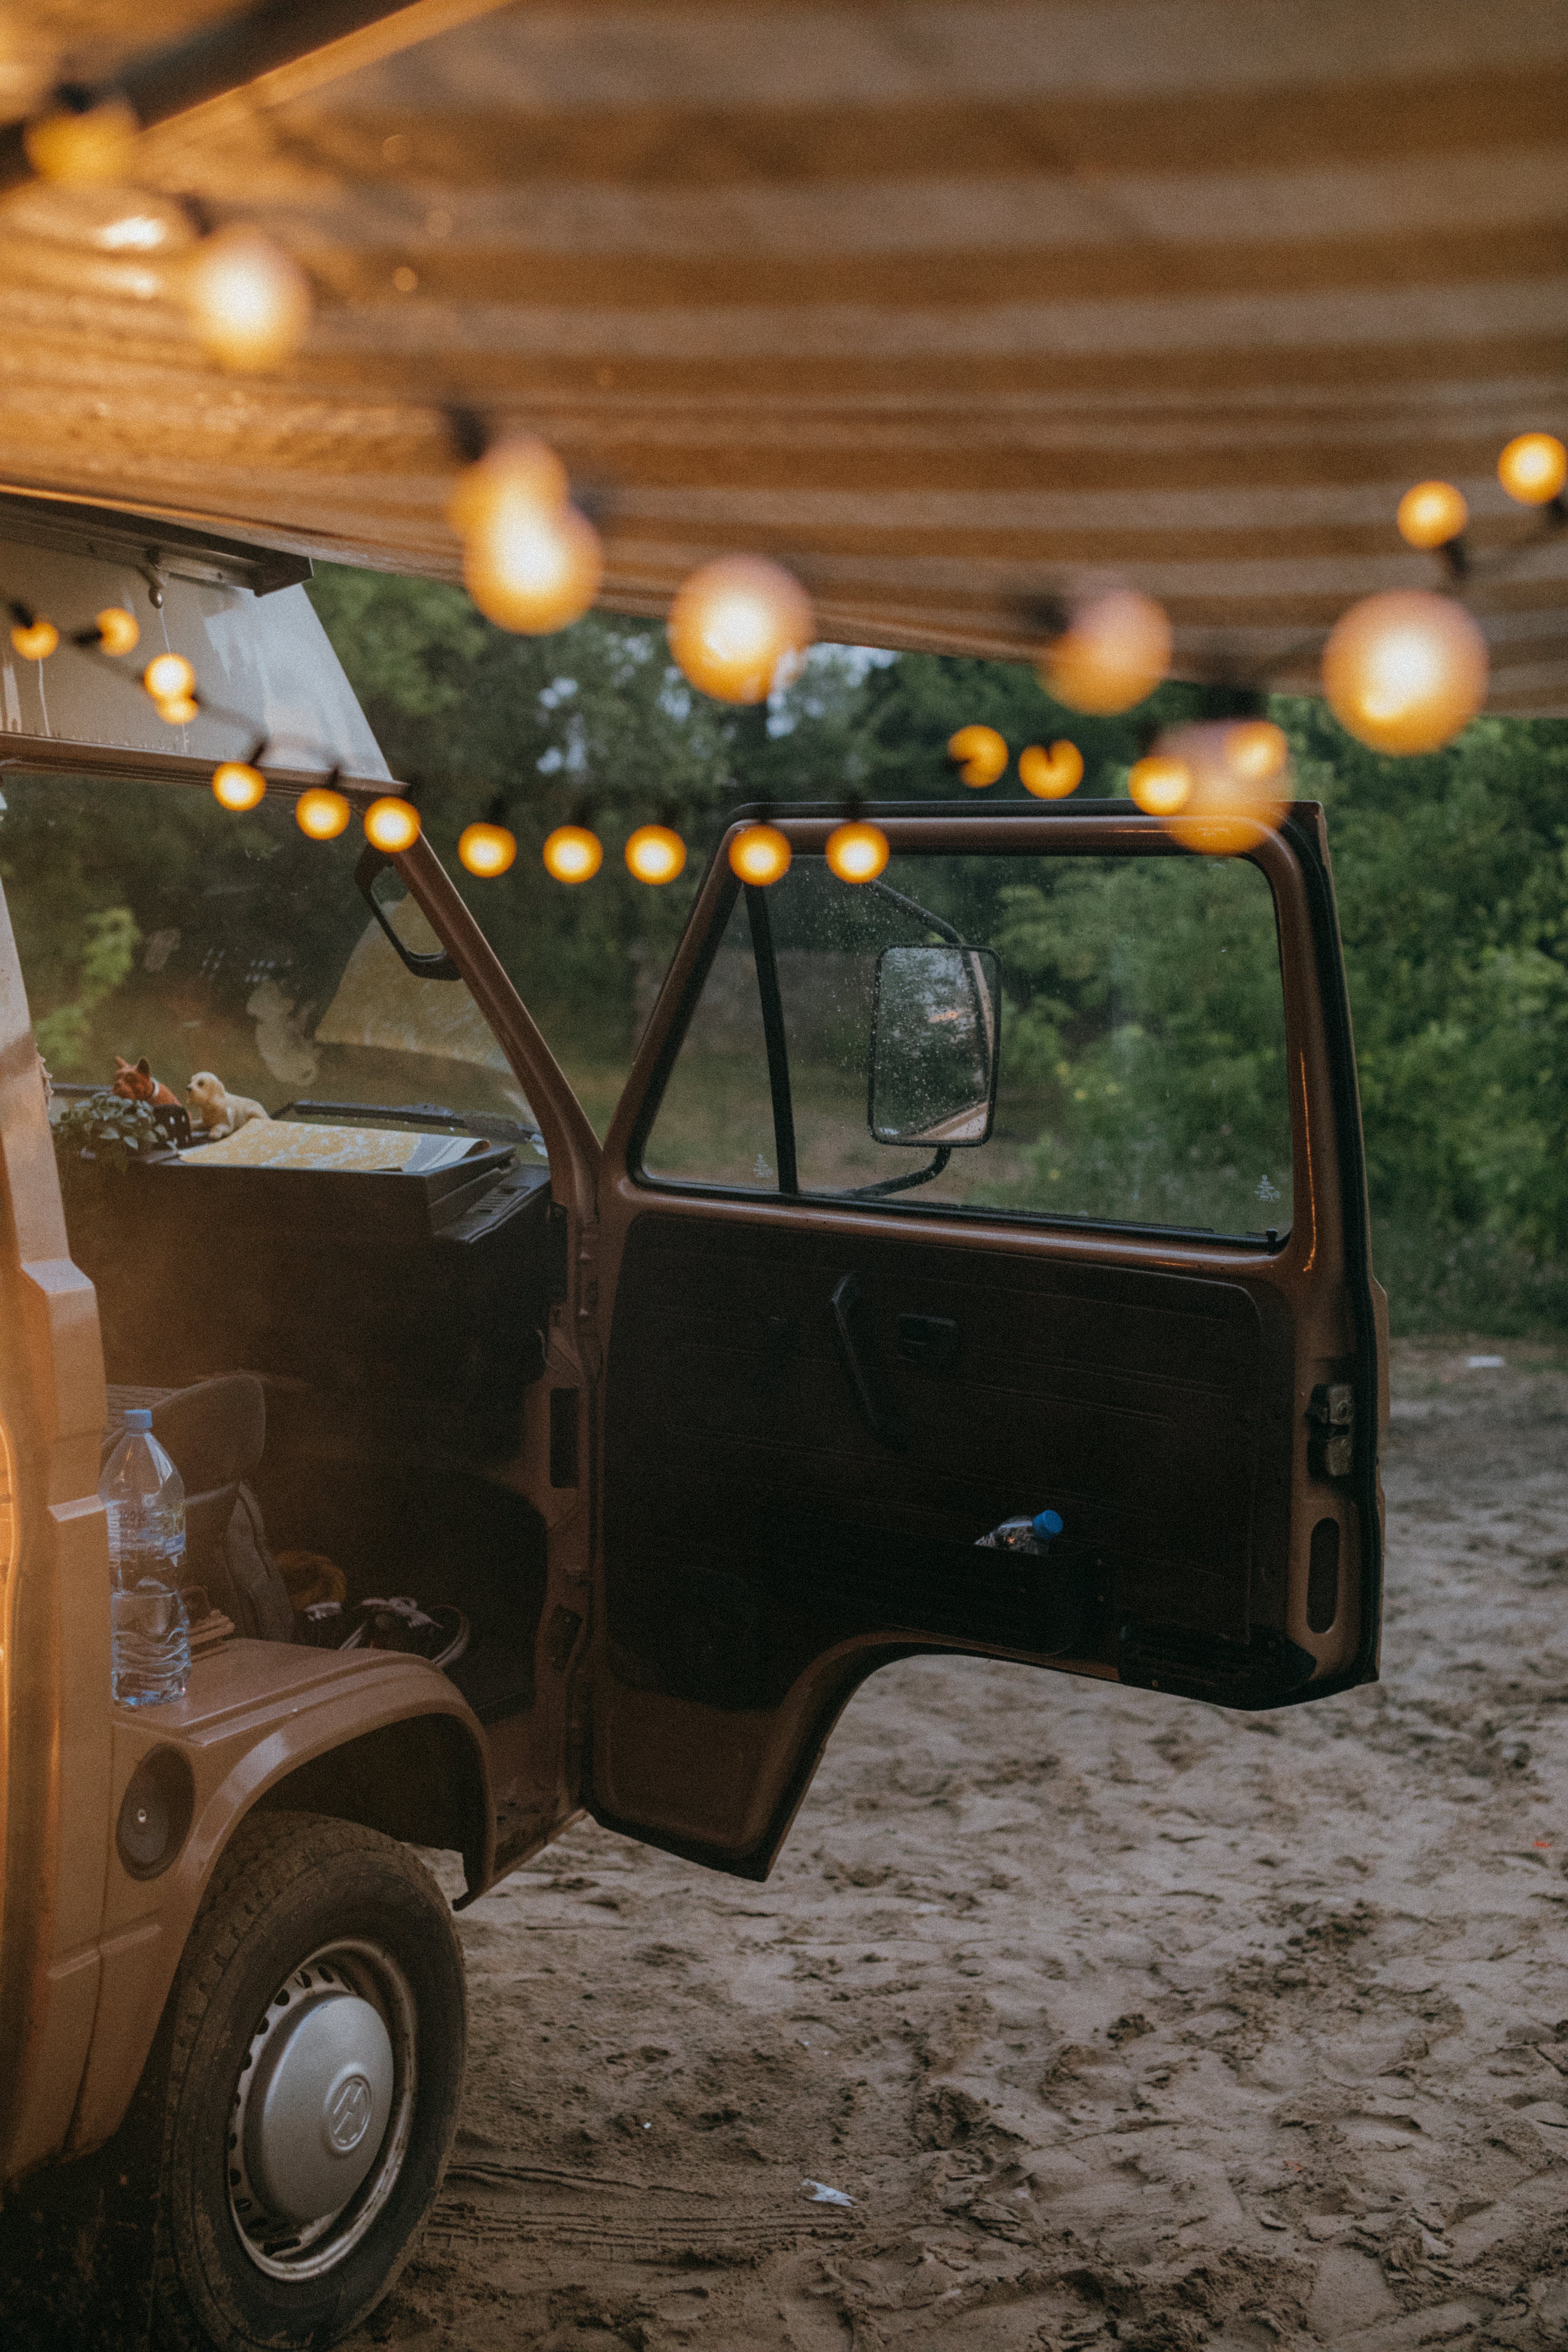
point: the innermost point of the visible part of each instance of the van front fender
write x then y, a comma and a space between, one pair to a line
367, 1735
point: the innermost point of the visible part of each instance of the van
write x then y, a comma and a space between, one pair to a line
528, 1477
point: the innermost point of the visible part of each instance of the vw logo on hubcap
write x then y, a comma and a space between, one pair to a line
348, 2113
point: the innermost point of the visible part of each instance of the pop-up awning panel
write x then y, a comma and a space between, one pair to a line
953, 307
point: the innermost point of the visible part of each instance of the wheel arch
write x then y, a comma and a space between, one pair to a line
419, 1779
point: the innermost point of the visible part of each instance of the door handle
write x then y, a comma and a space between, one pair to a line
876, 1398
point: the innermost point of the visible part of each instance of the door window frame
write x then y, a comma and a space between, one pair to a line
1090, 828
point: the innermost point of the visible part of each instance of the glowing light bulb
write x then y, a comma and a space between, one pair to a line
118, 632
531, 571
178, 709
391, 823
1160, 784
1234, 788
249, 301
738, 626
35, 640
1432, 514
655, 854
86, 148
1256, 749
858, 852
1533, 469
169, 677
1405, 671
322, 812
238, 785
981, 754
1051, 775
518, 471
573, 854
759, 854
487, 849
1115, 651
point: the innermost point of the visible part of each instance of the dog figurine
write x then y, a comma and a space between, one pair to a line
214, 1109
135, 1082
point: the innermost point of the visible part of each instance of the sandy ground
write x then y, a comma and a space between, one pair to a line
1120, 2019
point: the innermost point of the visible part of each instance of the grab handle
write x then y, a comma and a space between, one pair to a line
876, 1398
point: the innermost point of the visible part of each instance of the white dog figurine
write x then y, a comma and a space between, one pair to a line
212, 1106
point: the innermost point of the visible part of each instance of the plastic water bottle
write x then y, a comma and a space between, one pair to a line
141, 1491
1028, 1534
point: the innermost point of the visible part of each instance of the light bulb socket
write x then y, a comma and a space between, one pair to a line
496, 813
256, 753
1454, 556
468, 433
23, 615
1045, 615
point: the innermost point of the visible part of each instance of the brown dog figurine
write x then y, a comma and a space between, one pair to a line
135, 1081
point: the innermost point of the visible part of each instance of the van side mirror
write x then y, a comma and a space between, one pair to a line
936, 1019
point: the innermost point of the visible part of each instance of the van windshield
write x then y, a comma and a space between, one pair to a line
153, 924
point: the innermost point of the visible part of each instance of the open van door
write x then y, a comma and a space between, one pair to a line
1025, 1177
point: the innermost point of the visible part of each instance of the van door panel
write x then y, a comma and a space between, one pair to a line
786, 1507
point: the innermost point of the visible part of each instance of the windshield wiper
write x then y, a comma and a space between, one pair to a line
490, 1126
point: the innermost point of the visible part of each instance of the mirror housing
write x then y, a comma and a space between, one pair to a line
936, 1018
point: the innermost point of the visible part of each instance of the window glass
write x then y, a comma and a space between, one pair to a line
716, 1121
151, 922
1140, 1076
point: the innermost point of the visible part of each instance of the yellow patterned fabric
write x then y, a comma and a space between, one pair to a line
951, 304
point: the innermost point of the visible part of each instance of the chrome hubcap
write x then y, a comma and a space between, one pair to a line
320, 2119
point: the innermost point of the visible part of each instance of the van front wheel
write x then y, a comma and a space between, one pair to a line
314, 2067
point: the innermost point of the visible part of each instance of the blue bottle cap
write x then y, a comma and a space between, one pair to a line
137, 1416
1047, 1524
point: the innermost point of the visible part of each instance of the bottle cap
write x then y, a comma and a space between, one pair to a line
1047, 1524
137, 1416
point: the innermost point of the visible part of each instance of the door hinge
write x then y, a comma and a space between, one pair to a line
1331, 1414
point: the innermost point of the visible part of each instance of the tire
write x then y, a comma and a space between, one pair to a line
315, 2039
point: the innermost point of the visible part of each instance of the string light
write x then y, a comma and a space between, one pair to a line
33, 637
1160, 783
178, 709
1256, 749
655, 854
168, 677
573, 854
392, 824
487, 849
738, 626
83, 147
248, 301
1405, 671
759, 854
238, 785
322, 812
520, 470
1533, 469
531, 562
1113, 652
981, 754
1051, 775
1432, 515
118, 632
858, 852
1236, 784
